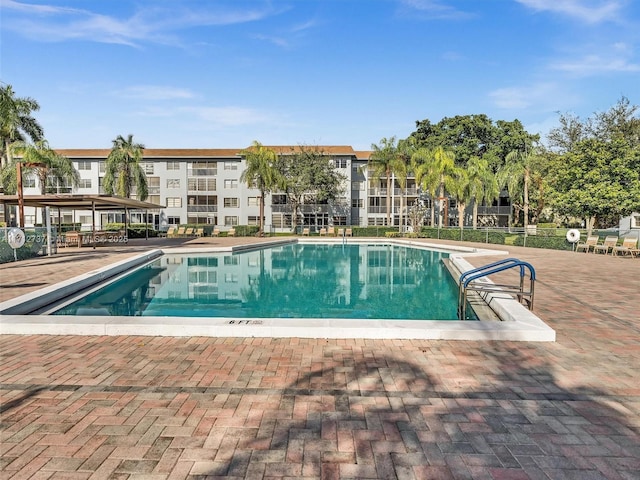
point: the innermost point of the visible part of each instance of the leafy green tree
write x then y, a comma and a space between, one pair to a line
16, 122
381, 165
123, 171
469, 136
596, 180
261, 173
483, 185
307, 175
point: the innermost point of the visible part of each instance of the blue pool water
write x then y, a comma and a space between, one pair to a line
294, 280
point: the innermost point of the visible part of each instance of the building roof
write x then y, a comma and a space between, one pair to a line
151, 153
155, 152
81, 202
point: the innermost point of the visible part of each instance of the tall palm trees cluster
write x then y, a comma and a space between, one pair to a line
22, 139
439, 176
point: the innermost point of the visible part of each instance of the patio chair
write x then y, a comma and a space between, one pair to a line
305, 231
606, 246
231, 232
629, 246
588, 244
341, 232
331, 231
349, 232
323, 231
171, 232
216, 232
199, 232
181, 231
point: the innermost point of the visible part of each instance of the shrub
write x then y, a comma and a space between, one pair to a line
555, 243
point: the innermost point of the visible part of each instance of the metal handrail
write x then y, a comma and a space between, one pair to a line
474, 274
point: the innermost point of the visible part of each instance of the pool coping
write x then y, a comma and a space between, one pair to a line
519, 324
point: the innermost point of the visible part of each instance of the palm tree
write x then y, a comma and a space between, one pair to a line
52, 170
516, 175
261, 173
123, 171
381, 162
16, 122
427, 175
401, 167
483, 184
458, 186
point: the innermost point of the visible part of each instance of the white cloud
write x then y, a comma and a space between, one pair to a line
518, 98
589, 11
596, 64
432, 9
230, 116
150, 24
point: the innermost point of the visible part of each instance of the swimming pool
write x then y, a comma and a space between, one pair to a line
23, 315
351, 281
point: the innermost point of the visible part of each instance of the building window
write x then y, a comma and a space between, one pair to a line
231, 165
173, 183
86, 219
173, 165
29, 182
84, 165
340, 162
230, 183
174, 202
147, 167
231, 203
173, 220
357, 203
253, 220
635, 221
102, 166
155, 199
357, 185
339, 220
203, 169
253, 201
202, 184
230, 221
84, 183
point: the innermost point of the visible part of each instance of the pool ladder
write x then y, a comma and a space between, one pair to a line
475, 280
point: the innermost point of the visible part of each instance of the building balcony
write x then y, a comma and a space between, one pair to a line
202, 208
494, 210
202, 172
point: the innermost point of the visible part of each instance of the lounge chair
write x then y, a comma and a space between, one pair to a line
305, 231
349, 232
341, 232
629, 246
216, 232
331, 231
189, 232
323, 231
606, 246
231, 232
199, 232
171, 232
181, 231
591, 242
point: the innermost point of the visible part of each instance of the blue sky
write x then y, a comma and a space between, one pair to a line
220, 74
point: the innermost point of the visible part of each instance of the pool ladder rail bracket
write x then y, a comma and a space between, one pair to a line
475, 280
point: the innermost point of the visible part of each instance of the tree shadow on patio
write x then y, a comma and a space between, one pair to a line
497, 412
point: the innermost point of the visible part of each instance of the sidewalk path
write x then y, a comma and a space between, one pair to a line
168, 408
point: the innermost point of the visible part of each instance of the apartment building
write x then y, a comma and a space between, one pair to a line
203, 186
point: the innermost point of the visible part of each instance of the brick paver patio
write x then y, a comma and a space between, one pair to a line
169, 408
